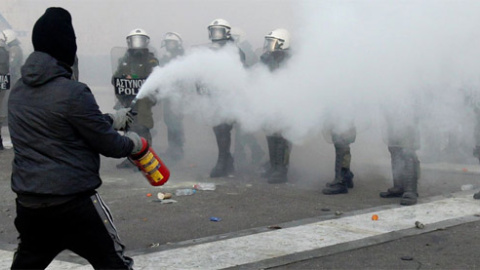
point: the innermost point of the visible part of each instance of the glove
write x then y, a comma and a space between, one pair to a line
122, 118
137, 142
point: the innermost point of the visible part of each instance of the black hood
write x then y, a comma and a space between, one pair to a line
53, 33
41, 67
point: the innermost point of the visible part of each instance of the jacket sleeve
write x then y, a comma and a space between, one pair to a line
94, 127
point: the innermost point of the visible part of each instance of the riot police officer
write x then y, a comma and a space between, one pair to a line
15, 53
403, 139
275, 53
219, 34
133, 69
5, 81
173, 44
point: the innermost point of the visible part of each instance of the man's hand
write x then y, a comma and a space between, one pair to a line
122, 118
137, 142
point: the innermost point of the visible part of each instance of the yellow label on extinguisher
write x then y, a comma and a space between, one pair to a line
156, 176
151, 167
146, 158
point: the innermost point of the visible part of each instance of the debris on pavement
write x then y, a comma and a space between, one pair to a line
204, 186
466, 187
406, 258
163, 196
215, 219
167, 201
338, 213
375, 217
419, 225
153, 245
185, 192
274, 227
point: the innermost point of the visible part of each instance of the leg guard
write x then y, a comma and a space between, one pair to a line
280, 160
398, 164
342, 166
224, 166
271, 155
410, 177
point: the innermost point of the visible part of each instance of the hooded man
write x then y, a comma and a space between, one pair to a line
58, 134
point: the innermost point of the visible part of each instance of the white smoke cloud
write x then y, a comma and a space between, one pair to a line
349, 60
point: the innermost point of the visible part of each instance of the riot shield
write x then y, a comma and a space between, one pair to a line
129, 72
240, 37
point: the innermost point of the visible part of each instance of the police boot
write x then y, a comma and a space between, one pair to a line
342, 166
410, 182
224, 166
410, 195
280, 161
339, 185
268, 167
398, 166
393, 192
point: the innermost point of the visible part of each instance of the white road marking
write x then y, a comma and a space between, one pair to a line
6, 262
273, 244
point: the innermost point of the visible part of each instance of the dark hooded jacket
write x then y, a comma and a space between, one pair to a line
57, 131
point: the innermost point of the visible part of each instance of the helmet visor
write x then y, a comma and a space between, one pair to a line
272, 44
170, 45
138, 42
217, 32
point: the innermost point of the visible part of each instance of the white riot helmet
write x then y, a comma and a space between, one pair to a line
10, 35
138, 39
277, 40
172, 41
219, 29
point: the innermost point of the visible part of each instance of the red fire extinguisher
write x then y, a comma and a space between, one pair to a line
151, 165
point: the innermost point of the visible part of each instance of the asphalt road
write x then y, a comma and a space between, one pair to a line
246, 204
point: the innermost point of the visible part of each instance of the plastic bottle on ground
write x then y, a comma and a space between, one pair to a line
204, 186
184, 192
